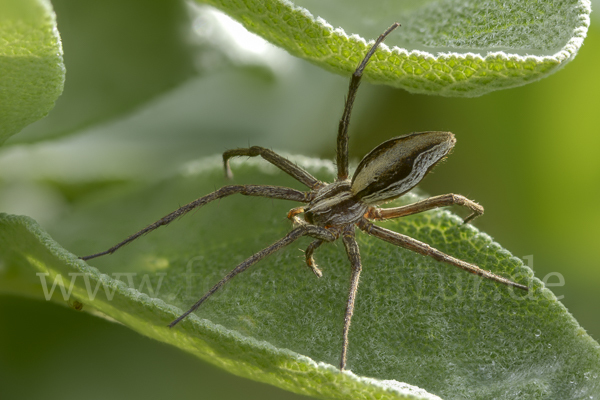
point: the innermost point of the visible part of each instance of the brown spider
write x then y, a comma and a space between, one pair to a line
333, 210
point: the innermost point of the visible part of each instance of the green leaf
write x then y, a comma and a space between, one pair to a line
447, 47
123, 54
119, 55
416, 320
32, 73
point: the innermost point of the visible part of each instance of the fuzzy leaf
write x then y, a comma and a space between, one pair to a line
32, 72
416, 320
119, 55
446, 47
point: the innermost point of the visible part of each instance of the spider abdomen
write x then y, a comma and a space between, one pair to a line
397, 165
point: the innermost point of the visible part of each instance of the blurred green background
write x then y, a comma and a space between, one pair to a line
530, 155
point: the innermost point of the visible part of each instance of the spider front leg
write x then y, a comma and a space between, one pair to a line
280, 162
273, 192
381, 214
342, 138
422, 248
354, 256
303, 230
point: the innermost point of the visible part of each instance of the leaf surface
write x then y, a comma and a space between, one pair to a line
448, 47
32, 72
416, 320
119, 55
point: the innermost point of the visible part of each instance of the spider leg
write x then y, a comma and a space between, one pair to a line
304, 230
342, 138
310, 261
426, 250
274, 192
380, 214
354, 256
280, 162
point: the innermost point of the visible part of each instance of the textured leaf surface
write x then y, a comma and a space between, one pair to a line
119, 55
445, 47
416, 321
122, 54
32, 73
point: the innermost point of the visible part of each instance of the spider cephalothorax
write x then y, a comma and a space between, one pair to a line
335, 210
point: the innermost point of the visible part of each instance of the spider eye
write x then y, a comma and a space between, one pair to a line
397, 165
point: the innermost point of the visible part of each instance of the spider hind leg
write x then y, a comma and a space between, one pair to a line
417, 246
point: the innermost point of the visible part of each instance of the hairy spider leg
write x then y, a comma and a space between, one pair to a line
342, 138
354, 256
382, 214
303, 230
422, 248
273, 192
280, 162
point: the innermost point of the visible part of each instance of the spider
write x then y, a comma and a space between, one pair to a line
334, 210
